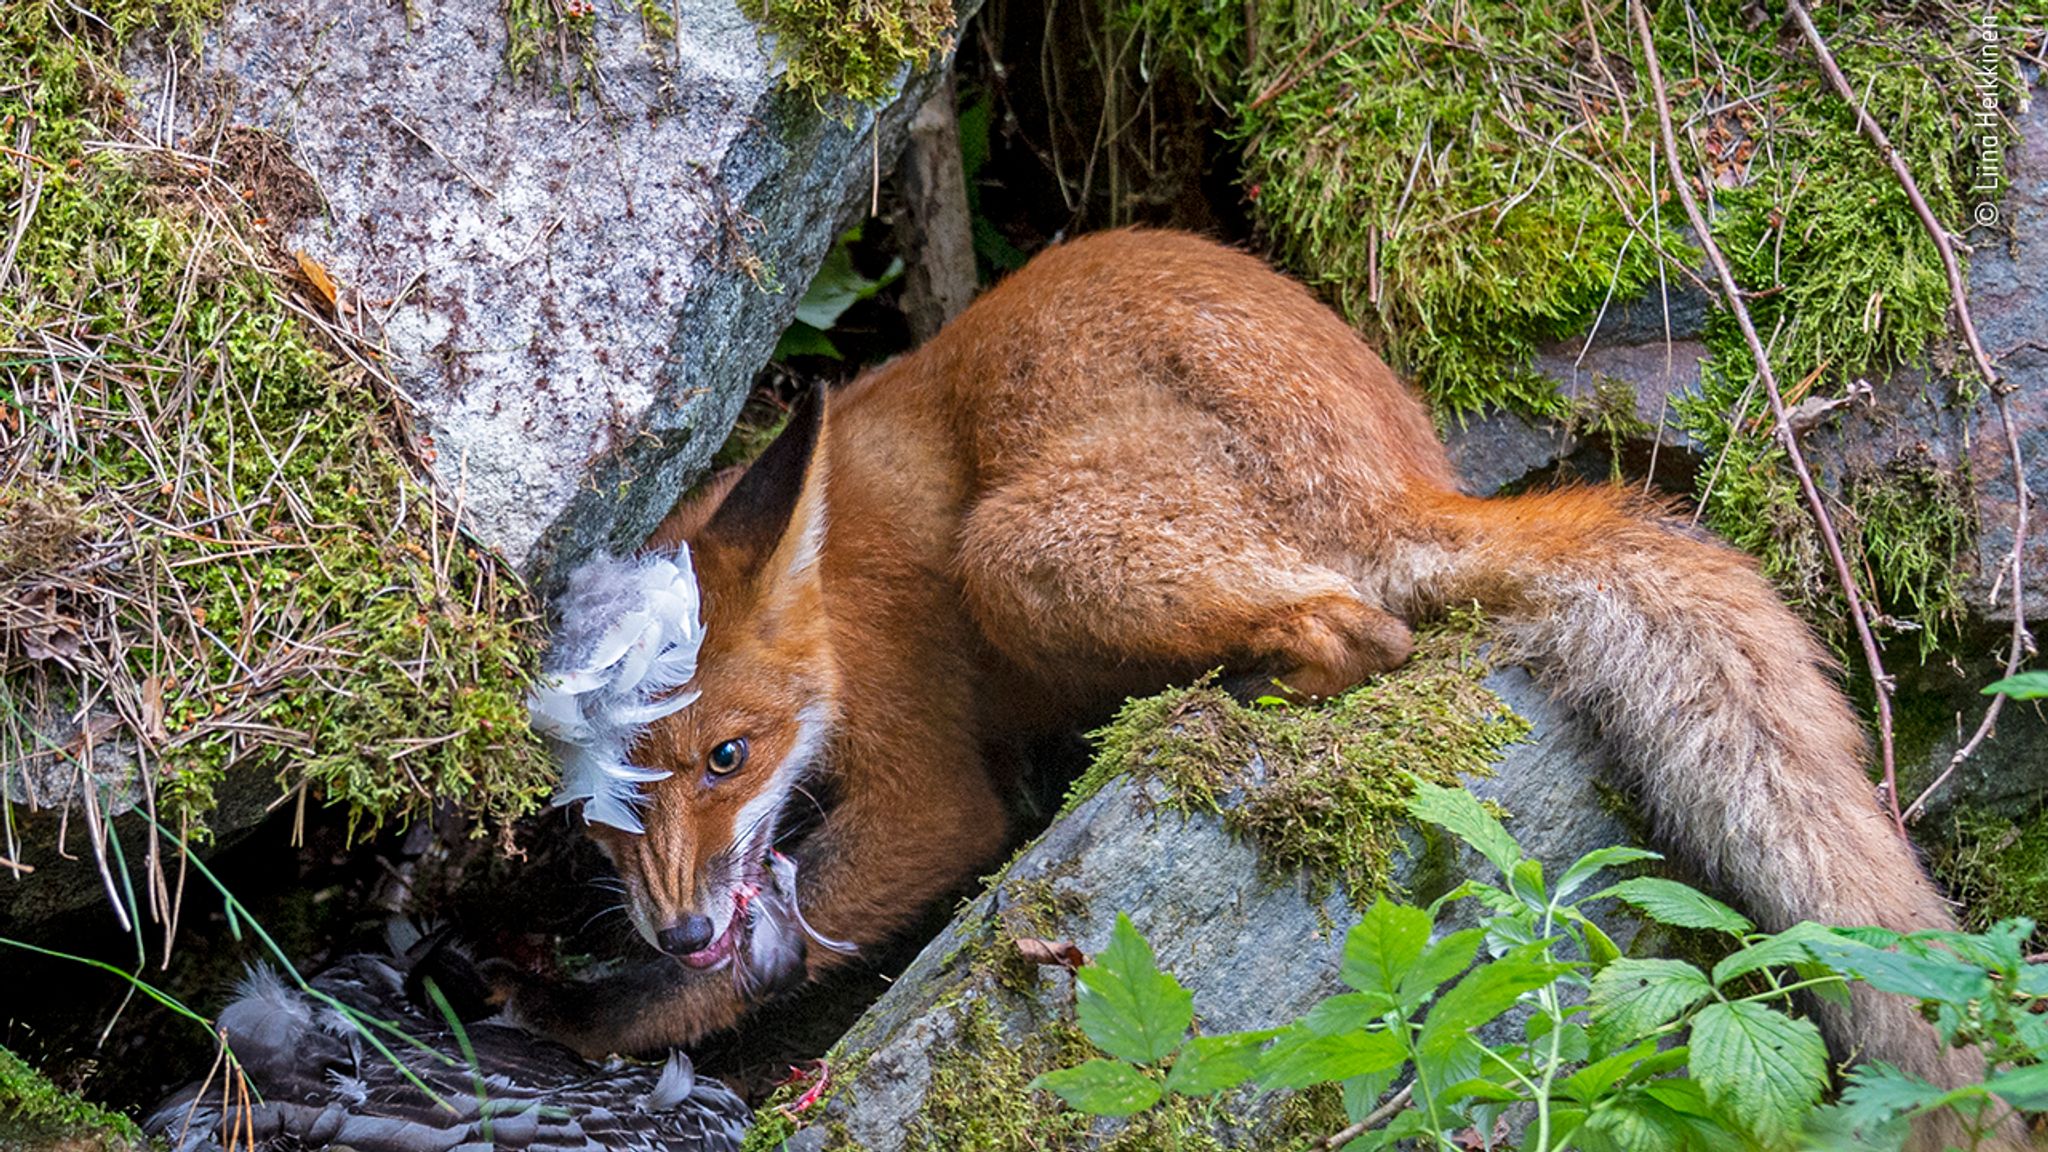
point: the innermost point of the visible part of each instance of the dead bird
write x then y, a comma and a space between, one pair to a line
316, 1077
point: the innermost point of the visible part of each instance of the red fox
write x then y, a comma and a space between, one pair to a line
1141, 457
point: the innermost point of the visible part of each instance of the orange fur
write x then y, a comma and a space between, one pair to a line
1143, 456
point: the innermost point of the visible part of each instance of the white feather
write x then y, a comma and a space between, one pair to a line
628, 641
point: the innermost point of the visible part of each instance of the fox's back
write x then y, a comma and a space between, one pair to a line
1139, 331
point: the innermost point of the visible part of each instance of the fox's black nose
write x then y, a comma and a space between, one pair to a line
690, 934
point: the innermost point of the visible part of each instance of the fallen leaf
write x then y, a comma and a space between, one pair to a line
316, 276
1047, 952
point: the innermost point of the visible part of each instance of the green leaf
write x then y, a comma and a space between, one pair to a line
1759, 1065
2023, 1088
1635, 1121
837, 286
1102, 1088
1444, 959
1527, 882
1349, 1012
1680, 905
1130, 1008
1632, 998
1877, 1094
1591, 864
1573, 1044
1209, 1064
1600, 948
1786, 949
2025, 686
801, 339
1834, 1128
1483, 995
1300, 1057
1384, 945
1459, 812
1478, 1088
1362, 1093
1908, 970
1588, 1084
1682, 1096
1495, 899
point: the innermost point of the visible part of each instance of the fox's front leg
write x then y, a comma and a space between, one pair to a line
648, 1005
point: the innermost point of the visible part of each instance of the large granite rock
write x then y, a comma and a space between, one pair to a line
1254, 950
576, 290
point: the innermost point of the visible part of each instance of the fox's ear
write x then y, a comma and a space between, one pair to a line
776, 511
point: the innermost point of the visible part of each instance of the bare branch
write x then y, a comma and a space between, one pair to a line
2022, 641
1786, 436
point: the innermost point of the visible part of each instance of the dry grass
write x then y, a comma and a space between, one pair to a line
221, 565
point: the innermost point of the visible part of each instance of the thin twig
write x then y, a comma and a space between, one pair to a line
2022, 641
1786, 436
1372, 1120
465, 173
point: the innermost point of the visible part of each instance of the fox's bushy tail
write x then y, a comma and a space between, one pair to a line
1717, 698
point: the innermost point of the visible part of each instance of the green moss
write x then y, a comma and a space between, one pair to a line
289, 599
35, 1113
980, 1100
1997, 868
1916, 527
551, 42
835, 50
1608, 415
1324, 788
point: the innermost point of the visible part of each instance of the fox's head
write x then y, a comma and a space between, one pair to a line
689, 692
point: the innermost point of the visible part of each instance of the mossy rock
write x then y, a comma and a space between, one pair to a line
1240, 840
38, 1116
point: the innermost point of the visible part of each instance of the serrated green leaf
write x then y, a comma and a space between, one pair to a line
1384, 944
1600, 947
1573, 1045
1785, 949
1444, 959
1483, 995
1680, 905
1758, 1066
1477, 1088
1908, 970
1832, 1128
1102, 1088
2023, 1088
1592, 863
1209, 1064
1527, 882
1459, 812
1495, 899
1362, 1093
1634, 1122
1299, 1057
1591, 1082
1877, 1094
1347, 1012
1126, 1005
1681, 1096
1631, 998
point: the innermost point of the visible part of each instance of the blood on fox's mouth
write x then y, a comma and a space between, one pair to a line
722, 949
771, 892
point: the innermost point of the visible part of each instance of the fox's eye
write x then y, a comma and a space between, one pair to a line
727, 757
